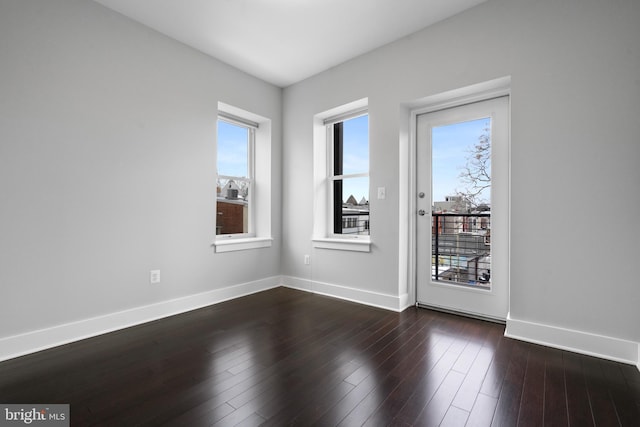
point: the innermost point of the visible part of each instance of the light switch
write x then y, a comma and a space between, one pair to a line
382, 192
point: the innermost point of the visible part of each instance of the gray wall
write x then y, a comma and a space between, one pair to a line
107, 165
106, 171
575, 69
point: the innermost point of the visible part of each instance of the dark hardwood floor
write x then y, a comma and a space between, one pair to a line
285, 357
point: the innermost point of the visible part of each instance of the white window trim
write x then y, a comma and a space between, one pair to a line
345, 244
323, 236
259, 235
231, 245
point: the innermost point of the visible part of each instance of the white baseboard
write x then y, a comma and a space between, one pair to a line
404, 302
375, 299
30, 342
577, 341
566, 339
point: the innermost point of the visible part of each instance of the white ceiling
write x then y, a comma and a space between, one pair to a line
285, 41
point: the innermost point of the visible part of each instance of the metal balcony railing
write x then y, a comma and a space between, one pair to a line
461, 248
355, 223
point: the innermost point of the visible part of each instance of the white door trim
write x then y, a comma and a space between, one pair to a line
407, 207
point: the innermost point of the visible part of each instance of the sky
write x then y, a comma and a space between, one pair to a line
355, 144
232, 149
450, 148
232, 154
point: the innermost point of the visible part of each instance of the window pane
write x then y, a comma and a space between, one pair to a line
233, 153
356, 145
461, 218
461, 165
354, 215
232, 206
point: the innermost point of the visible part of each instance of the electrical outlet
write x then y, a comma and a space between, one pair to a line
307, 260
154, 277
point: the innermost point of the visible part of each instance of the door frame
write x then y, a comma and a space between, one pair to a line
408, 183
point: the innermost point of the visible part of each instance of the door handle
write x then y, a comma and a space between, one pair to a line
421, 212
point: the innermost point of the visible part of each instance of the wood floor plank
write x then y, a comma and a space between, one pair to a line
555, 394
508, 406
346, 406
389, 376
492, 383
201, 415
436, 409
627, 409
578, 405
468, 391
309, 412
602, 406
427, 354
531, 412
429, 385
467, 357
334, 415
284, 357
455, 417
483, 410
323, 386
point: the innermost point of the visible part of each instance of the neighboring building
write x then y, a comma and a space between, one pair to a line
461, 241
355, 216
231, 190
452, 204
232, 216
232, 210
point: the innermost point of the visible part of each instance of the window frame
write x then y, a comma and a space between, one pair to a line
259, 153
323, 219
332, 178
250, 178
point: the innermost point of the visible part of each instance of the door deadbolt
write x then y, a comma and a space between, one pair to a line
421, 212
421, 195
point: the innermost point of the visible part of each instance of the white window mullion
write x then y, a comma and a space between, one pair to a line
351, 175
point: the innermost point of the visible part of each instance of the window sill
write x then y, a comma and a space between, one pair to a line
351, 244
230, 245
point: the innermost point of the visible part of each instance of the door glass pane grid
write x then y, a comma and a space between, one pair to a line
461, 249
461, 203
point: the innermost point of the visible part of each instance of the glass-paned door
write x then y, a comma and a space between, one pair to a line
463, 199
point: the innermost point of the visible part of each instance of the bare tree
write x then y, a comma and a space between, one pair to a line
476, 173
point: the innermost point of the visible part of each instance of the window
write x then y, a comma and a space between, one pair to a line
341, 178
243, 180
234, 187
349, 177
